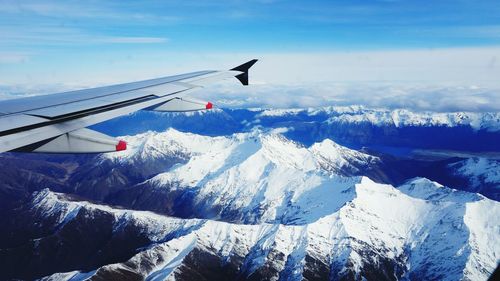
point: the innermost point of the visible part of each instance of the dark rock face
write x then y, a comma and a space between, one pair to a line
100, 180
203, 265
20, 176
36, 246
315, 269
145, 196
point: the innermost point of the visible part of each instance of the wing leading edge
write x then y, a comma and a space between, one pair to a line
54, 123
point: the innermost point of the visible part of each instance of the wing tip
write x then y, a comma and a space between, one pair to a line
246, 66
243, 77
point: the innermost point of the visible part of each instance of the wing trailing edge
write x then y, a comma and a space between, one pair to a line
79, 141
183, 105
55, 123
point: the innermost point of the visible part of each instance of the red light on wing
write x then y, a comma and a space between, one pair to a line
121, 146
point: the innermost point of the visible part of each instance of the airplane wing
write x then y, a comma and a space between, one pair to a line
57, 123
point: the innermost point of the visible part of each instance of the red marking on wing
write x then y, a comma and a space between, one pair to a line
121, 146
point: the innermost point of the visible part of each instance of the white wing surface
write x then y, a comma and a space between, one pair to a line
55, 123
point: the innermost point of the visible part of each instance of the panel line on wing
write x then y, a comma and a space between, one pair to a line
22, 104
75, 115
21, 129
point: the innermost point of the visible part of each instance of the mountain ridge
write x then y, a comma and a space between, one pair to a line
250, 205
354, 234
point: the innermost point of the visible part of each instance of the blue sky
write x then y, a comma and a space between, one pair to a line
254, 25
86, 43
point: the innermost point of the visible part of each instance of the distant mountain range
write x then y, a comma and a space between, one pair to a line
250, 195
353, 126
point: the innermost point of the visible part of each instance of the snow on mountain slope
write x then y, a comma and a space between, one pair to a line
399, 117
479, 170
454, 220
482, 174
420, 231
402, 118
276, 210
337, 158
254, 177
156, 145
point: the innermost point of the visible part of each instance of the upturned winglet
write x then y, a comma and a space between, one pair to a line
243, 77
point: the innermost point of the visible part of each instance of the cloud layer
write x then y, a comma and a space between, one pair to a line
375, 95
451, 79
380, 95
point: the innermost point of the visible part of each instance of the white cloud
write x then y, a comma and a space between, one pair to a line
380, 95
131, 40
465, 79
377, 95
477, 31
13, 57
67, 36
81, 9
446, 66
451, 79
464, 65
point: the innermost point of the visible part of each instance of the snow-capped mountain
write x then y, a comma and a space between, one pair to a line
252, 205
353, 126
248, 177
429, 232
398, 117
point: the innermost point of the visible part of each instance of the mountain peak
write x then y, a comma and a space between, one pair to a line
348, 225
